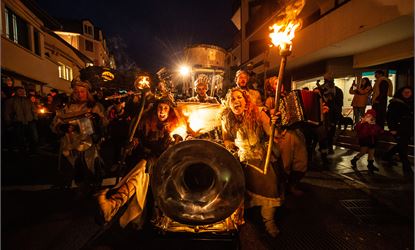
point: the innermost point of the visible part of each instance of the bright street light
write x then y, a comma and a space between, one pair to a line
184, 70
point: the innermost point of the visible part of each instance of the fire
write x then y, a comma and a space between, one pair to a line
181, 130
283, 34
199, 117
284, 31
42, 110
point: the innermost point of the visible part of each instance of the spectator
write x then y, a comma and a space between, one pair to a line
367, 133
20, 114
381, 90
333, 98
360, 94
400, 117
7, 88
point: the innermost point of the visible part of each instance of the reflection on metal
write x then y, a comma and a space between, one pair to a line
228, 225
198, 185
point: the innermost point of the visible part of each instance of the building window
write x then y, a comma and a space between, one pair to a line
88, 30
89, 46
65, 72
36, 38
17, 29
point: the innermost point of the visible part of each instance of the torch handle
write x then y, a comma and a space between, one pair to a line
276, 109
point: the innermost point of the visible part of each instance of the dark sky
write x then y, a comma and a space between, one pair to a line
154, 31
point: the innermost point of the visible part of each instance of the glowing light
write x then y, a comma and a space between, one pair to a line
42, 110
143, 82
282, 35
284, 31
184, 70
181, 130
201, 117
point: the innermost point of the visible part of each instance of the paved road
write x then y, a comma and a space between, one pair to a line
341, 209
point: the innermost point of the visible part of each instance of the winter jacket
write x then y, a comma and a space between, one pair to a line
400, 116
19, 109
360, 96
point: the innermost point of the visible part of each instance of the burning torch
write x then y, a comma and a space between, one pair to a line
281, 36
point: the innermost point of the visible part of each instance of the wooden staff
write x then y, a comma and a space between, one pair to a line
284, 54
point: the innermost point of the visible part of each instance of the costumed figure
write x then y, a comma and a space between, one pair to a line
151, 139
81, 124
291, 141
243, 129
241, 80
201, 84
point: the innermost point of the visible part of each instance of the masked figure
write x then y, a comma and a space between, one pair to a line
151, 139
81, 124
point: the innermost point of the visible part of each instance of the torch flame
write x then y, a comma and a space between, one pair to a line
284, 31
282, 35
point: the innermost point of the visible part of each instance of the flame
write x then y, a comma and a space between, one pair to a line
42, 110
181, 130
284, 31
199, 117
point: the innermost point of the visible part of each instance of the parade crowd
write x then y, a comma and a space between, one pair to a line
139, 126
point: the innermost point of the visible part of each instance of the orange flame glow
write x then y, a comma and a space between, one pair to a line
181, 130
284, 31
199, 117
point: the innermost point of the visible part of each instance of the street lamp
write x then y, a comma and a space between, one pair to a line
184, 70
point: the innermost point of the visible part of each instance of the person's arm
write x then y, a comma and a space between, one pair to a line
364, 91
228, 141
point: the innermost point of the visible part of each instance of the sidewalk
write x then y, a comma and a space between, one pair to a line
388, 185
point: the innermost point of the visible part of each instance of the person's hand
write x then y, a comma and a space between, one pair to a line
275, 118
393, 132
135, 142
325, 109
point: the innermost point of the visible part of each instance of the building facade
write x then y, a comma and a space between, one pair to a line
349, 38
31, 54
88, 39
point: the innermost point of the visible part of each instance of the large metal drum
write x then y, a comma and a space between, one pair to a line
198, 182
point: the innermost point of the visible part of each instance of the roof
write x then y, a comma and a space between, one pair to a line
71, 25
48, 20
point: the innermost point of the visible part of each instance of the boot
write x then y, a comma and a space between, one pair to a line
267, 214
110, 201
371, 167
354, 163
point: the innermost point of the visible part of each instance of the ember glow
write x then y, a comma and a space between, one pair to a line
42, 110
284, 30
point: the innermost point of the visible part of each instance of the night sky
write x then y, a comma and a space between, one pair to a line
153, 32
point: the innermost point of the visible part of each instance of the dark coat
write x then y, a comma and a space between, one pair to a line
400, 117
